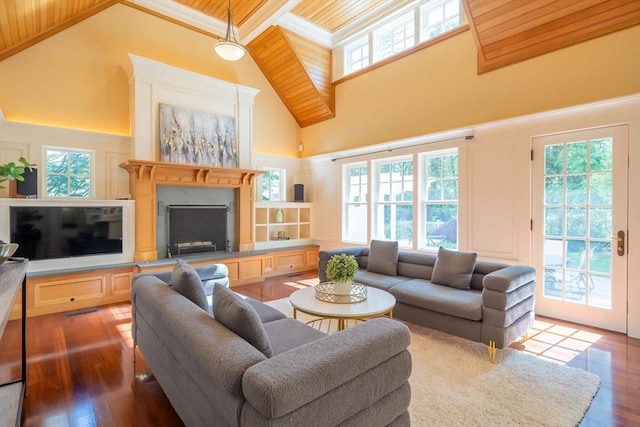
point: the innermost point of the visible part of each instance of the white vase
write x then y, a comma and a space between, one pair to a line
342, 287
279, 215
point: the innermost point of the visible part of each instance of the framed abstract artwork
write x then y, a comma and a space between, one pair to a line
197, 137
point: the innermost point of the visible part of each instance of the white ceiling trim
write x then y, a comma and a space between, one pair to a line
306, 29
175, 10
266, 16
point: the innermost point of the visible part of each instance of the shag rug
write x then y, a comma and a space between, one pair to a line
454, 384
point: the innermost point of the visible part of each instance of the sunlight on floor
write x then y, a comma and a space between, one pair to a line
555, 343
301, 284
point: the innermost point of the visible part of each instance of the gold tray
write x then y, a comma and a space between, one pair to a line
326, 292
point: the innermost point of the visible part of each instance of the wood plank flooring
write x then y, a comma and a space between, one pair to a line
81, 371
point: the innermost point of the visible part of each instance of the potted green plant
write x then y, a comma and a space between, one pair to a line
341, 270
11, 171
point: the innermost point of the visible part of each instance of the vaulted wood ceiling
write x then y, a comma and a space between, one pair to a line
505, 31
511, 31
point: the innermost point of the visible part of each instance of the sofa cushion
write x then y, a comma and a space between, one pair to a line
236, 314
383, 257
454, 268
462, 303
185, 280
377, 280
287, 333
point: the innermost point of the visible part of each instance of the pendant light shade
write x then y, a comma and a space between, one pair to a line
229, 49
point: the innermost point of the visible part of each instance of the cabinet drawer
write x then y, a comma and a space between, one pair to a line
69, 290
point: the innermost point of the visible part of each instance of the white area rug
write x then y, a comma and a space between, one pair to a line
454, 384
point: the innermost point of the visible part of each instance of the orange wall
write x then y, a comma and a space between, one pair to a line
75, 78
438, 89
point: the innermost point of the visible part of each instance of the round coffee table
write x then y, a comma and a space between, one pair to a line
378, 303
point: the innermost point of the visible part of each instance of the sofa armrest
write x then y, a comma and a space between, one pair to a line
509, 278
508, 295
323, 258
329, 367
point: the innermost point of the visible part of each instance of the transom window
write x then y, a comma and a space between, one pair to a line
421, 22
68, 172
357, 54
394, 37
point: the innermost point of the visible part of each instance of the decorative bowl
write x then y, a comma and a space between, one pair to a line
7, 250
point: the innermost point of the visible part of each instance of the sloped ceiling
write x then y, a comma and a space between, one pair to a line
505, 31
509, 31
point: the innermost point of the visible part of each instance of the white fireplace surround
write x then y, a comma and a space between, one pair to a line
152, 82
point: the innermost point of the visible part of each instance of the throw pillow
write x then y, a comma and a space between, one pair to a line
383, 257
236, 314
185, 280
454, 268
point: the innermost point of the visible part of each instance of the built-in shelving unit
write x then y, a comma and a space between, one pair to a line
278, 225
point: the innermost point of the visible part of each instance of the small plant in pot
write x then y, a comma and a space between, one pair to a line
341, 270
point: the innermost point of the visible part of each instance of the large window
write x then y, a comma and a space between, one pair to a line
68, 172
421, 22
394, 213
272, 186
440, 202
356, 206
417, 206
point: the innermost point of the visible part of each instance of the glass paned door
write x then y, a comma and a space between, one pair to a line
580, 204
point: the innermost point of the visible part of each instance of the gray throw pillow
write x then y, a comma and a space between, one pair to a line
383, 257
185, 280
236, 314
454, 268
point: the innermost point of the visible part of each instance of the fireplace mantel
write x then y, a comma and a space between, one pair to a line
144, 175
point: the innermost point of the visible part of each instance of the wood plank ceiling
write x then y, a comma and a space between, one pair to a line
509, 31
505, 31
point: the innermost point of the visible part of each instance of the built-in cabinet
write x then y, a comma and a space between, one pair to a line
77, 290
278, 225
68, 291
248, 268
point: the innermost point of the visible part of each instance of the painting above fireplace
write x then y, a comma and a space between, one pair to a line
197, 137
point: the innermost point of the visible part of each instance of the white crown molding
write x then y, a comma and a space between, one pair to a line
175, 10
306, 29
266, 16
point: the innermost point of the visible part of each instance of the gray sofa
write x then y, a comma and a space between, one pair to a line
213, 376
498, 304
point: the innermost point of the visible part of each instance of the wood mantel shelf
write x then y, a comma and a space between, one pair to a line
183, 174
144, 175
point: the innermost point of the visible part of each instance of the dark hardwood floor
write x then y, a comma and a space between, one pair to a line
81, 371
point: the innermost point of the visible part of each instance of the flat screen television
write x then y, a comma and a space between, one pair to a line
196, 229
51, 232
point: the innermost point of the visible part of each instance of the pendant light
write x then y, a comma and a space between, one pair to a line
229, 49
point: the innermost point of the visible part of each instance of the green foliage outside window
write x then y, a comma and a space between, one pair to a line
68, 174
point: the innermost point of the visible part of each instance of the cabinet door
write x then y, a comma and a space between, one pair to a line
121, 283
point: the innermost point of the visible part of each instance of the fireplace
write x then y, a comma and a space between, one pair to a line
194, 220
145, 177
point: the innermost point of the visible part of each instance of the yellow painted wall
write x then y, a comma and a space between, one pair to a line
75, 78
438, 89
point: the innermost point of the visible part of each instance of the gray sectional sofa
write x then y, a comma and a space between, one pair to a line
481, 301
250, 365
